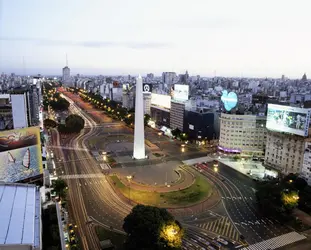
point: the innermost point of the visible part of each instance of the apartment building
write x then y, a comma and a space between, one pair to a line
242, 134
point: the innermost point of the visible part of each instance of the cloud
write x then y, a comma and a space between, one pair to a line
88, 44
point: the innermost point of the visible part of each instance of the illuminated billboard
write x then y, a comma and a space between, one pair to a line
230, 100
20, 154
288, 119
161, 100
181, 92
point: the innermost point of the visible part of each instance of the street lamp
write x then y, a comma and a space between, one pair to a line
129, 178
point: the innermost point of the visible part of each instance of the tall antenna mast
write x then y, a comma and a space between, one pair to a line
24, 67
66, 60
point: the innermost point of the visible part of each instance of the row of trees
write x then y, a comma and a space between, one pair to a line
110, 107
278, 198
73, 124
53, 99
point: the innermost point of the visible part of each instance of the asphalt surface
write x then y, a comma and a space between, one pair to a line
93, 199
238, 198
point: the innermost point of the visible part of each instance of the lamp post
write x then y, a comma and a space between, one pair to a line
129, 178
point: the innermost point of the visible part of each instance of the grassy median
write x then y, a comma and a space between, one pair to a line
198, 191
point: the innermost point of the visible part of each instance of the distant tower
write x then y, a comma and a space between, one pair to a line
304, 77
66, 72
139, 129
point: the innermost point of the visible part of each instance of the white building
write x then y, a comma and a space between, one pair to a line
242, 134
20, 217
306, 166
147, 102
66, 74
285, 152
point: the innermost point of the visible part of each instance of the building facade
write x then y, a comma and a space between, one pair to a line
160, 116
66, 74
147, 102
242, 134
306, 166
199, 125
285, 152
177, 115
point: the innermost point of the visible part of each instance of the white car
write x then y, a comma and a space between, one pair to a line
222, 241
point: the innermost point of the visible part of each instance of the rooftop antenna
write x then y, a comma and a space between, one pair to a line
66, 60
24, 67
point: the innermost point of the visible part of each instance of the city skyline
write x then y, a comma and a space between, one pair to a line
265, 39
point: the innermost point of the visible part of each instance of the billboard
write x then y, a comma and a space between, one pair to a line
181, 92
230, 100
161, 100
20, 154
288, 119
19, 111
147, 88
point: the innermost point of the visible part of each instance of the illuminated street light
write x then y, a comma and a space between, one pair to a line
182, 149
215, 169
290, 181
159, 133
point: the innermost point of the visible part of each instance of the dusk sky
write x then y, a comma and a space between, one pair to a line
234, 38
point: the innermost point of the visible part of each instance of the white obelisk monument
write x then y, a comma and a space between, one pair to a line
139, 129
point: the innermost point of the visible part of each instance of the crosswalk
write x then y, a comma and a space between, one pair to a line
81, 176
276, 242
237, 198
222, 226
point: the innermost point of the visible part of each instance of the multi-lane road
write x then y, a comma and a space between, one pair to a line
239, 202
93, 200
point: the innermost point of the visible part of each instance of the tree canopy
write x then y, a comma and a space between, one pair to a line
48, 123
151, 228
279, 198
59, 186
74, 123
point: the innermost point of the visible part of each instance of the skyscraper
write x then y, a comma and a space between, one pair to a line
66, 72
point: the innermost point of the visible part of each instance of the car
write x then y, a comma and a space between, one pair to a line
222, 241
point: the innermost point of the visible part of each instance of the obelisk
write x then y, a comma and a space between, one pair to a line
139, 128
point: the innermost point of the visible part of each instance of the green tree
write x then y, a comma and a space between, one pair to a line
146, 119
152, 228
48, 123
59, 104
176, 132
59, 186
74, 123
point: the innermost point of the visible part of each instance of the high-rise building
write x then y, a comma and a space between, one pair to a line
168, 77
242, 134
66, 74
177, 115
147, 102
285, 152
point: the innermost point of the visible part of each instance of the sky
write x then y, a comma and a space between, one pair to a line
263, 38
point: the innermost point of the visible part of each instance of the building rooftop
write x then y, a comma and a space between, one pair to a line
20, 209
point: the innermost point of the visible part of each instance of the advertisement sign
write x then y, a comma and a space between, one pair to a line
125, 87
161, 100
230, 100
288, 119
20, 154
147, 88
181, 92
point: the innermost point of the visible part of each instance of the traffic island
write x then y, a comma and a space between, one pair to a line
197, 192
